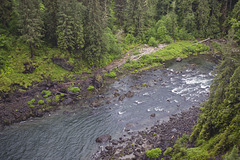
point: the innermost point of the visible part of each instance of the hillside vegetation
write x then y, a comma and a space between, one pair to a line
60, 40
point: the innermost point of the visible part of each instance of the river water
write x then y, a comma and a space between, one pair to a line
70, 133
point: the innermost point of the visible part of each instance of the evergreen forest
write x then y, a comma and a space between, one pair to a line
90, 34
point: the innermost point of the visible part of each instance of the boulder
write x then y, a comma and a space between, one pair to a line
114, 142
97, 81
103, 138
153, 115
121, 98
62, 63
129, 94
109, 148
179, 59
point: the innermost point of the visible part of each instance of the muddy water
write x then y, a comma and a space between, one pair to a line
71, 132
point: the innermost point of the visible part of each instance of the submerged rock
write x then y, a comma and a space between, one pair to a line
129, 94
103, 138
153, 115
121, 98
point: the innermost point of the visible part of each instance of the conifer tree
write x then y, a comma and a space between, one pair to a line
203, 12
6, 9
70, 25
94, 30
30, 23
136, 16
120, 6
50, 21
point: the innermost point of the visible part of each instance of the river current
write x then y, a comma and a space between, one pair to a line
70, 133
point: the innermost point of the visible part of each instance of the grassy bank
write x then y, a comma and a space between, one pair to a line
174, 50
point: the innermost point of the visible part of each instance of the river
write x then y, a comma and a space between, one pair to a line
70, 133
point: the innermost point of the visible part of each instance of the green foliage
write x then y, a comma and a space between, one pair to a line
90, 88
30, 22
217, 47
130, 39
111, 74
154, 153
152, 42
233, 155
41, 102
168, 151
70, 25
183, 34
46, 94
144, 84
174, 50
136, 52
161, 32
168, 39
30, 103
74, 89
218, 125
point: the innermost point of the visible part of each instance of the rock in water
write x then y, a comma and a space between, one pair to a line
153, 115
121, 98
129, 94
103, 138
179, 59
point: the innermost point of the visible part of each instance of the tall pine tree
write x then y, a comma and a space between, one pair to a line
30, 23
70, 25
94, 30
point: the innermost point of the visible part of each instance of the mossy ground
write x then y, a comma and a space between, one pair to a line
179, 49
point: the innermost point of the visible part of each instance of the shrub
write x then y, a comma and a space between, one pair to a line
233, 155
152, 42
130, 39
154, 153
41, 102
144, 84
46, 94
30, 103
74, 89
168, 151
111, 74
91, 88
168, 39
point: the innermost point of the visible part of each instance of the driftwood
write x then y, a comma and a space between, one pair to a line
202, 41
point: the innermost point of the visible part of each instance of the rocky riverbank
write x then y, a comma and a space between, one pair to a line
49, 95
133, 145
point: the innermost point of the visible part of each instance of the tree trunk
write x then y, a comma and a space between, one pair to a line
31, 49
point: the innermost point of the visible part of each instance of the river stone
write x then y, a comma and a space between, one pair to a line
153, 115
174, 130
114, 142
67, 101
121, 98
129, 94
109, 148
179, 59
103, 138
